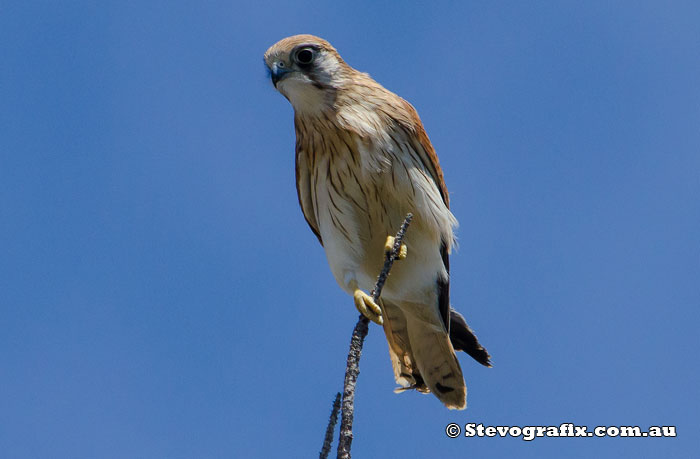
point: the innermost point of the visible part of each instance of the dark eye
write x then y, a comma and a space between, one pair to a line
305, 56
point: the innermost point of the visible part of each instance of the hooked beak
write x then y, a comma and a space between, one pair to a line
277, 73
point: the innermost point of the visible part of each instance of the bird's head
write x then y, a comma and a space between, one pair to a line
307, 70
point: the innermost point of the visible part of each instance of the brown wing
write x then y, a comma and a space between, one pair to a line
303, 165
304, 192
461, 336
427, 152
429, 158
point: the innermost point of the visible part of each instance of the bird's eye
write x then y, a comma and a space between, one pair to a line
305, 56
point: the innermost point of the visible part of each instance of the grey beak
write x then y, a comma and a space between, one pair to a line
277, 73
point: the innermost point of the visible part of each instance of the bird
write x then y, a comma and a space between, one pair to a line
363, 162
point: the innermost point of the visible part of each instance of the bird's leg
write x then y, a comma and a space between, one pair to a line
389, 246
366, 305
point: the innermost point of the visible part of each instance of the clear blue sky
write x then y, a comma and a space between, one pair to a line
162, 297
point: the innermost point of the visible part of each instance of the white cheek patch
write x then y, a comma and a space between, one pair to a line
302, 94
326, 69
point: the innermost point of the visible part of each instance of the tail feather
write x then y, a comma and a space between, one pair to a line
437, 362
405, 369
464, 339
423, 354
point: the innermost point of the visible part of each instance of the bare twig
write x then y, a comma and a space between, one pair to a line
390, 257
330, 428
351, 372
358, 337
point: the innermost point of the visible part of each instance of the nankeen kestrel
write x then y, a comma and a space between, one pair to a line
363, 161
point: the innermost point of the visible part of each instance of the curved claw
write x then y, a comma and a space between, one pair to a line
367, 307
389, 246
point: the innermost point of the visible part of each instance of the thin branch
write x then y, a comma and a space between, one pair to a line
351, 372
330, 428
358, 337
390, 257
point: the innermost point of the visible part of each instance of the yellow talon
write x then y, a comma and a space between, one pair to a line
389, 246
367, 307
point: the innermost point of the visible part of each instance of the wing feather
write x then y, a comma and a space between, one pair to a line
431, 164
304, 192
427, 152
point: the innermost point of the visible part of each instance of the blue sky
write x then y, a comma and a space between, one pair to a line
162, 297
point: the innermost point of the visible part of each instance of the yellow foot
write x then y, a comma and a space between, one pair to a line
389, 246
367, 307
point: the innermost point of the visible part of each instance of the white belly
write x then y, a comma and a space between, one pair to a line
354, 225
